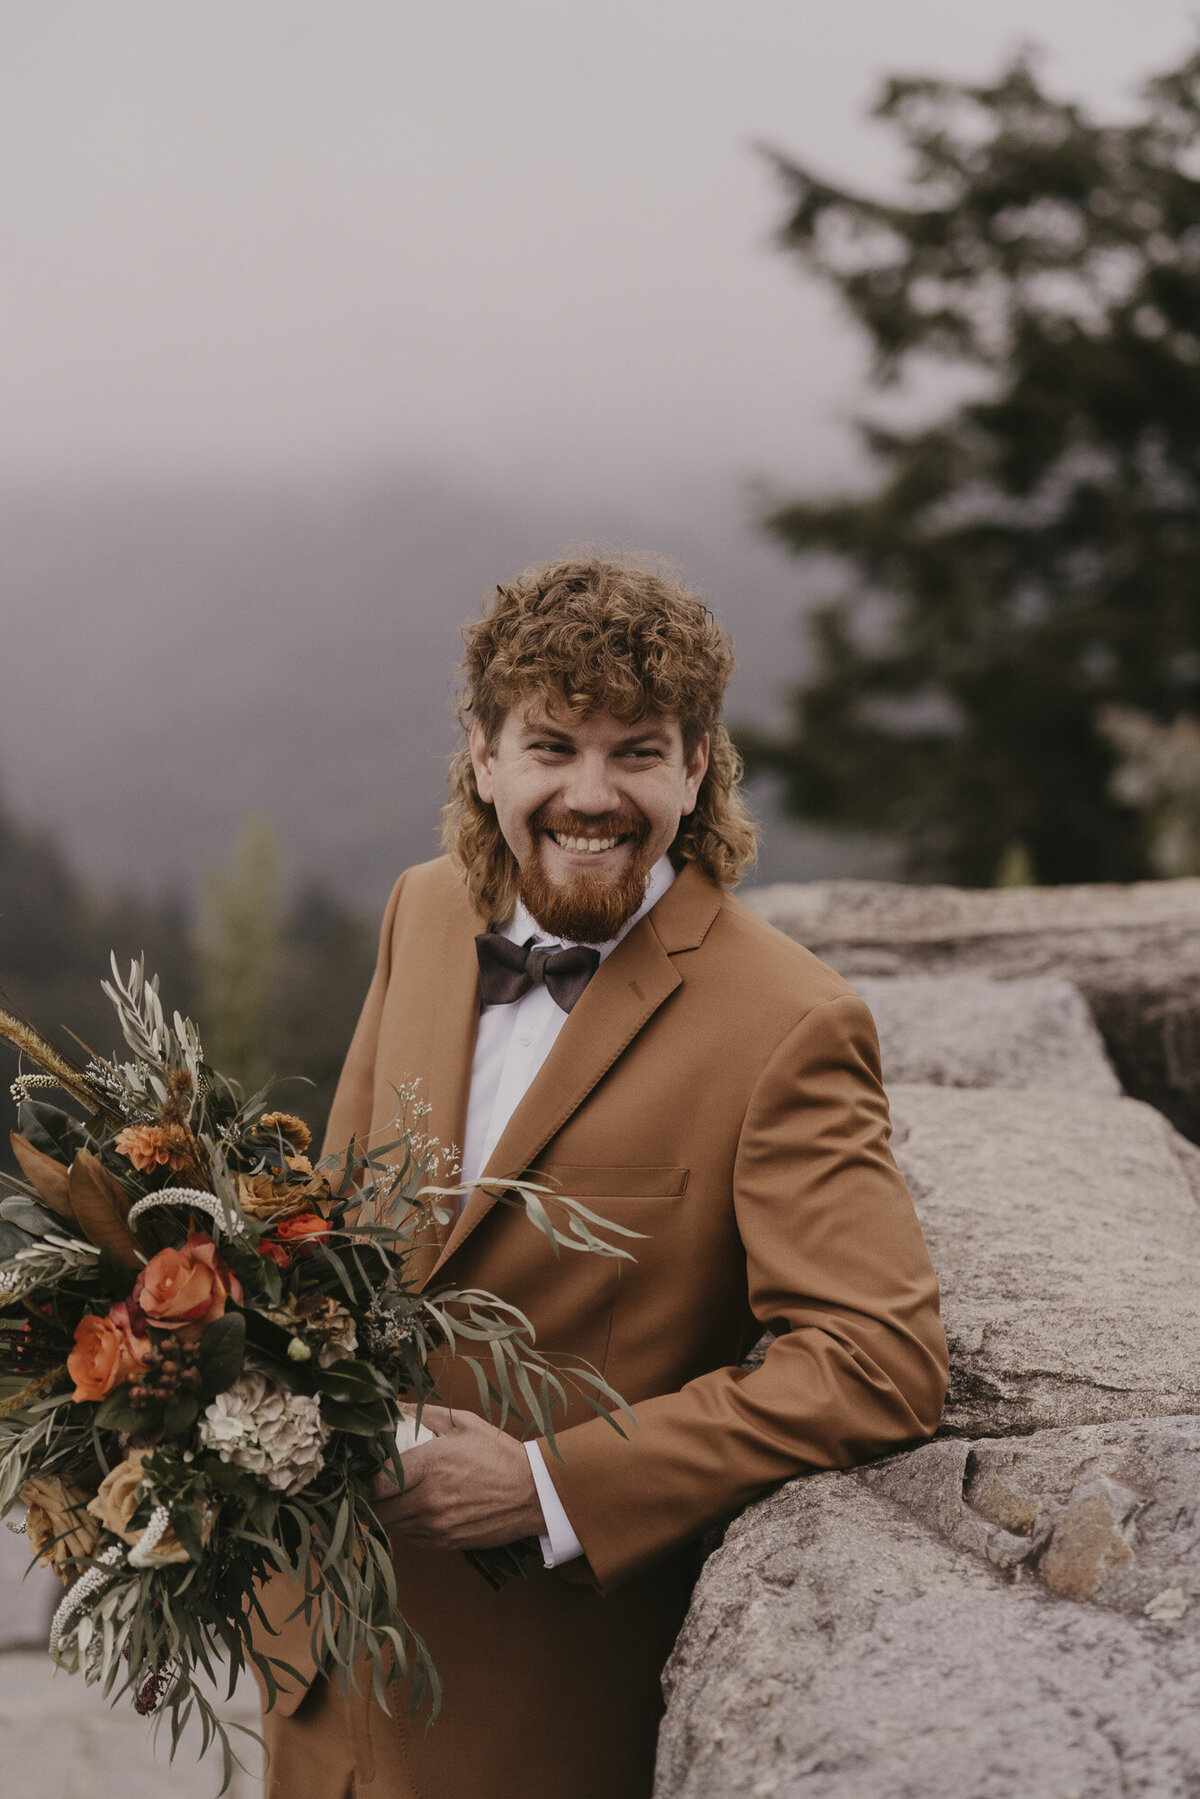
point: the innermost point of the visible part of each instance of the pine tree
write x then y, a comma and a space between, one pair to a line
239, 951
1030, 559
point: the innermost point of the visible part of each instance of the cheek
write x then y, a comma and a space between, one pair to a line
664, 815
516, 805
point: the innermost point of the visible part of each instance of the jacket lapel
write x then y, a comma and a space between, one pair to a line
624, 994
441, 1029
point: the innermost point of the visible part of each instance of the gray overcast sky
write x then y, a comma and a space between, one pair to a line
521, 245
320, 318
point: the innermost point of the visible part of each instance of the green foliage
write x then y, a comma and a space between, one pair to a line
55, 934
1030, 557
51, 1130
239, 949
221, 1354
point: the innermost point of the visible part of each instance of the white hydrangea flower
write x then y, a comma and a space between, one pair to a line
276, 1435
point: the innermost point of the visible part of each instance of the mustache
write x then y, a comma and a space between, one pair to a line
583, 824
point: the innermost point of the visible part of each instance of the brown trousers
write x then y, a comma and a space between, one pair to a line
573, 1713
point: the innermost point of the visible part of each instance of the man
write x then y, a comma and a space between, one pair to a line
712, 1087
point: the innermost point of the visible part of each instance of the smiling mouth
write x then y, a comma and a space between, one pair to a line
585, 846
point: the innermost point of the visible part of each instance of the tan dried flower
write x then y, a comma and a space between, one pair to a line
317, 1186
151, 1146
326, 1319
262, 1198
288, 1125
57, 1525
117, 1501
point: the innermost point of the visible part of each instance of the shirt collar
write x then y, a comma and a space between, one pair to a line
522, 925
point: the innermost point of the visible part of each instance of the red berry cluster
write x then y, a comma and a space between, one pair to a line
171, 1372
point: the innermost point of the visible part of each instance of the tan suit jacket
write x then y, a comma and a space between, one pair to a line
718, 1090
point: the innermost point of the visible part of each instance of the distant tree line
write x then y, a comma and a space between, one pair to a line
274, 984
1007, 682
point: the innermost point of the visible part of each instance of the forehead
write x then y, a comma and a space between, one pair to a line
534, 715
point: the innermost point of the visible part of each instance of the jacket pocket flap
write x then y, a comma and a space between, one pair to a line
622, 1181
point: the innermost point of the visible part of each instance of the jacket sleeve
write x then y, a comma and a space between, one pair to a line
837, 1265
354, 1099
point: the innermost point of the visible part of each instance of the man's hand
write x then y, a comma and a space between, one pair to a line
470, 1489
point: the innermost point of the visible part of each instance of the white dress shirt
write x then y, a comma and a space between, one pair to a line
511, 1044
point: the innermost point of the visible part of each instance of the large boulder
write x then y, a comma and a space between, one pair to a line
967, 1030
1065, 1231
968, 1621
1010, 1611
1134, 953
884, 927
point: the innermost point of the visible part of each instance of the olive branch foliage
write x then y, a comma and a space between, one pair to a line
146, 1627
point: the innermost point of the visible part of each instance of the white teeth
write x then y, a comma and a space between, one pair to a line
584, 846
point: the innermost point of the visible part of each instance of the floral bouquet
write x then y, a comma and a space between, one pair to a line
205, 1344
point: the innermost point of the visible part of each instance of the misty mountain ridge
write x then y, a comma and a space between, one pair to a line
176, 658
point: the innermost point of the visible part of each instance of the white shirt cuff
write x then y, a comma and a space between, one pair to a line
559, 1544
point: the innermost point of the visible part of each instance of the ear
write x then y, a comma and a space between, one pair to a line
481, 762
694, 771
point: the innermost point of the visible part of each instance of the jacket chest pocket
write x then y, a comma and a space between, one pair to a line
615, 1180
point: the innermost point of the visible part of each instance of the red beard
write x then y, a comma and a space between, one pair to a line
589, 908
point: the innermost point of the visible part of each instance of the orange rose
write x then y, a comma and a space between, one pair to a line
304, 1224
275, 1252
186, 1286
107, 1352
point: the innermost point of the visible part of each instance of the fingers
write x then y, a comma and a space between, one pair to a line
440, 1419
467, 1490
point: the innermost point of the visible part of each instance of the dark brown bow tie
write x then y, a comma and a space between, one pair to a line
507, 970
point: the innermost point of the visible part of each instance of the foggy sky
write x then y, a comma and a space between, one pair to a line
521, 244
320, 318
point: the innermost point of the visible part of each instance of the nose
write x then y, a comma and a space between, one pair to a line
589, 787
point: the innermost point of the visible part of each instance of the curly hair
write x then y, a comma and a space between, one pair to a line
599, 635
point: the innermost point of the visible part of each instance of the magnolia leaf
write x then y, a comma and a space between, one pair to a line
180, 1416
118, 1412
362, 1420
28, 1215
116, 1276
353, 1379
187, 1524
221, 1353
100, 1205
47, 1177
12, 1238
51, 1129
